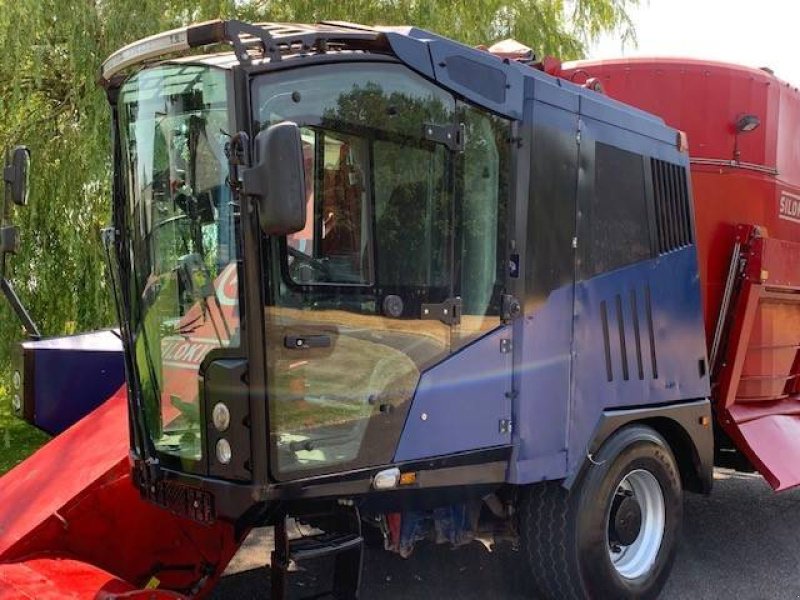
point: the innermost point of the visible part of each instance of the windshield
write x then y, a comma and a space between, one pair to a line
180, 222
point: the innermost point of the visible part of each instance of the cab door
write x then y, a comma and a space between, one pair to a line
464, 403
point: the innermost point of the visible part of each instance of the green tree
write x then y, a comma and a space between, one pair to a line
561, 28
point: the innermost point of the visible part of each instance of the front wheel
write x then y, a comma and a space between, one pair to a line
614, 533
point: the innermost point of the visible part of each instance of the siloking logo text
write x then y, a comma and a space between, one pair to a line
789, 207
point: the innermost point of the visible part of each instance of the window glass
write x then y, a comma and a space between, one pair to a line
615, 219
353, 285
413, 216
334, 246
481, 225
182, 234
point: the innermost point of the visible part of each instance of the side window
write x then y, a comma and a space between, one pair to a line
412, 214
614, 220
334, 246
481, 221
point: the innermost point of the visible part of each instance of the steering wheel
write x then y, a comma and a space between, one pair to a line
307, 269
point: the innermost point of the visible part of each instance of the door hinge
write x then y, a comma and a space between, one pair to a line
510, 308
505, 426
451, 136
506, 346
448, 312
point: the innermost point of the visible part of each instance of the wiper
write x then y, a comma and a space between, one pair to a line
142, 442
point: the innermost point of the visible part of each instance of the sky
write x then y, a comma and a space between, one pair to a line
755, 33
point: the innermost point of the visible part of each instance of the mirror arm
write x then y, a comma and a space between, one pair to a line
16, 304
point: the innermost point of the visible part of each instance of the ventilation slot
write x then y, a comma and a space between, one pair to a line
606, 341
672, 210
648, 306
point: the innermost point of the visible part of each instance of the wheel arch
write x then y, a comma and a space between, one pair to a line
686, 427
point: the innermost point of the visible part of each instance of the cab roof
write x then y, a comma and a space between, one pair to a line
500, 85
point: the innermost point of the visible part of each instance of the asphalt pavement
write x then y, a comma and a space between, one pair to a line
742, 542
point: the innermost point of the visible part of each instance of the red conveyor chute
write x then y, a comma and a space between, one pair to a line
757, 394
71, 508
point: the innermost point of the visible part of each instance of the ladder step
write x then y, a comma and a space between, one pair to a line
322, 545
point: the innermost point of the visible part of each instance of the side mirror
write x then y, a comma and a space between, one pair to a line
16, 175
277, 180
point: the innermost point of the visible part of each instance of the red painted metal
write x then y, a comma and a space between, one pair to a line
739, 178
49, 578
74, 500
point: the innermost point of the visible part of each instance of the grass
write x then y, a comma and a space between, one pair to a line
18, 440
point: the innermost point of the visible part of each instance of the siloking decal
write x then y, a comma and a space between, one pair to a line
789, 207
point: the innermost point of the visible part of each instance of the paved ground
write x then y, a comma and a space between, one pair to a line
743, 542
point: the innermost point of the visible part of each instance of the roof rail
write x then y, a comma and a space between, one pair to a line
272, 39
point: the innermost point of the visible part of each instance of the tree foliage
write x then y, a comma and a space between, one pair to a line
49, 100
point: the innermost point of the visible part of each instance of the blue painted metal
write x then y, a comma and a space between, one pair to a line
542, 372
70, 377
678, 342
460, 402
480, 77
448, 63
412, 53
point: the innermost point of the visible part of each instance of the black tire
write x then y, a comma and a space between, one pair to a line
565, 534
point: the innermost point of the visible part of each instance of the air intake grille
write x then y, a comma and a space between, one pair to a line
673, 213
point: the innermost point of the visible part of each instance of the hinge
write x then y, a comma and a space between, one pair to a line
510, 308
505, 426
448, 312
578, 137
451, 136
506, 346
575, 243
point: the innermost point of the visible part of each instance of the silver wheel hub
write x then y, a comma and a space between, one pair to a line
635, 524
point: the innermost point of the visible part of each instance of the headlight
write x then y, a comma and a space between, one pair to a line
224, 453
221, 417
16, 380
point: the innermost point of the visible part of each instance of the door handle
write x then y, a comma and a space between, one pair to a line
301, 342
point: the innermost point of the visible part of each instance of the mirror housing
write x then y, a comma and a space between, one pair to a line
16, 175
9, 240
277, 181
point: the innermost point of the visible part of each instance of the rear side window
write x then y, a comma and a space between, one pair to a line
614, 219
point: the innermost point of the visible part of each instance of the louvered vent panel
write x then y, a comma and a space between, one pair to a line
673, 213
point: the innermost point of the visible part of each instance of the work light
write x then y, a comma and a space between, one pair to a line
224, 453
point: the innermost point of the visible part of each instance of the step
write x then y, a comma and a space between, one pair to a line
322, 545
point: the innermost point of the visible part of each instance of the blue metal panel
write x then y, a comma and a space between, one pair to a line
632, 141
551, 91
471, 85
542, 364
480, 85
414, 53
460, 402
671, 370
603, 108
72, 376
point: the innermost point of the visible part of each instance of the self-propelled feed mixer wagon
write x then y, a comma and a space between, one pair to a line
370, 277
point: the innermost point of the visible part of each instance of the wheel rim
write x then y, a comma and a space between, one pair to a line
637, 557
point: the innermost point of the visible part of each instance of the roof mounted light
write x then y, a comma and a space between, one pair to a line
151, 47
270, 39
181, 39
747, 123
